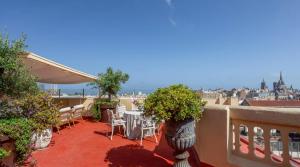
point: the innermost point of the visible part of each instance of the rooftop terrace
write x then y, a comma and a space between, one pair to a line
86, 144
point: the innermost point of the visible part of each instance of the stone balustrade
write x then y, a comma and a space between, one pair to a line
249, 136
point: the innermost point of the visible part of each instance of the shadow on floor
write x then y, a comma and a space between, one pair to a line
108, 133
133, 156
162, 149
102, 133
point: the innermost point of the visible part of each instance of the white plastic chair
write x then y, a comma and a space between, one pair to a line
113, 121
121, 111
65, 117
77, 112
148, 123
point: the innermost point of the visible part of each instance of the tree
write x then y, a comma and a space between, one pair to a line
15, 80
110, 82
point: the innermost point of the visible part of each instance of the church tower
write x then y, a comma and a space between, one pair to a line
263, 85
281, 82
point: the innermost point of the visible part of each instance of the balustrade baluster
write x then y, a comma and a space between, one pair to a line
285, 149
236, 137
250, 139
267, 138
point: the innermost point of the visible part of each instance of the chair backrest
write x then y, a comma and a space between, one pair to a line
80, 106
89, 107
65, 109
121, 110
148, 121
111, 116
64, 117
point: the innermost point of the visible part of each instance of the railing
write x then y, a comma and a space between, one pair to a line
72, 92
249, 136
266, 135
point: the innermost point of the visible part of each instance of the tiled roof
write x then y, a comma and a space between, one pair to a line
272, 103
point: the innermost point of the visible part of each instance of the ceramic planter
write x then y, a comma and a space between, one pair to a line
42, 140
181, 136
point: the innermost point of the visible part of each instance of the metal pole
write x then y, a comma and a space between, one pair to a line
58, 93
83, 92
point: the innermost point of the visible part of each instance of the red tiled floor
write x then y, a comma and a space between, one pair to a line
86, 145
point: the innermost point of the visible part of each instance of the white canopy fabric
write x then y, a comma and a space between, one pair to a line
48, 71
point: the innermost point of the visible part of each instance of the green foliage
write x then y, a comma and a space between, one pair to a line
110, 82
106, 102
23, 109
15, 81
176, 102
96, 113
9, 108
20, 130
139, 104
41, 109
32, 113
3, 153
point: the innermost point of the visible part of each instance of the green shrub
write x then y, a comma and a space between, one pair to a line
20, 130
32, 113
23, 109
106, 102
15, 80
3, 153
40, 108
96, 113
177, 102
9, 108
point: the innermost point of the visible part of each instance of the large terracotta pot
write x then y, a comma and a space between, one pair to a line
181, 136
42, 140
103, 110
9, 145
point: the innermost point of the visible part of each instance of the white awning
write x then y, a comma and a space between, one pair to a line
48, 71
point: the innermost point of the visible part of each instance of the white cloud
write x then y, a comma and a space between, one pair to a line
169, 3
172, 21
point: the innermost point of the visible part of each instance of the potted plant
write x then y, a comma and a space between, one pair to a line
19, 130
16, 82
109, 84
180, 107
44, 114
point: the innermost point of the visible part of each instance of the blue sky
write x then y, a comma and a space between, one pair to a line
201, 43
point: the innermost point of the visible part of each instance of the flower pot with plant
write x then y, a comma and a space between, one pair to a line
44, 114
179, 106
7, 151
16, 82
109, 84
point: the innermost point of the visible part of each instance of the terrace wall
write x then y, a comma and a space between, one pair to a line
72, 101
88, 101
219, 130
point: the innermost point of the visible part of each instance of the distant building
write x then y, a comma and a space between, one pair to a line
263, 86
272, 103
280, 89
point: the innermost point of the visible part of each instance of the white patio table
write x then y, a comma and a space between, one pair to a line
133, 129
